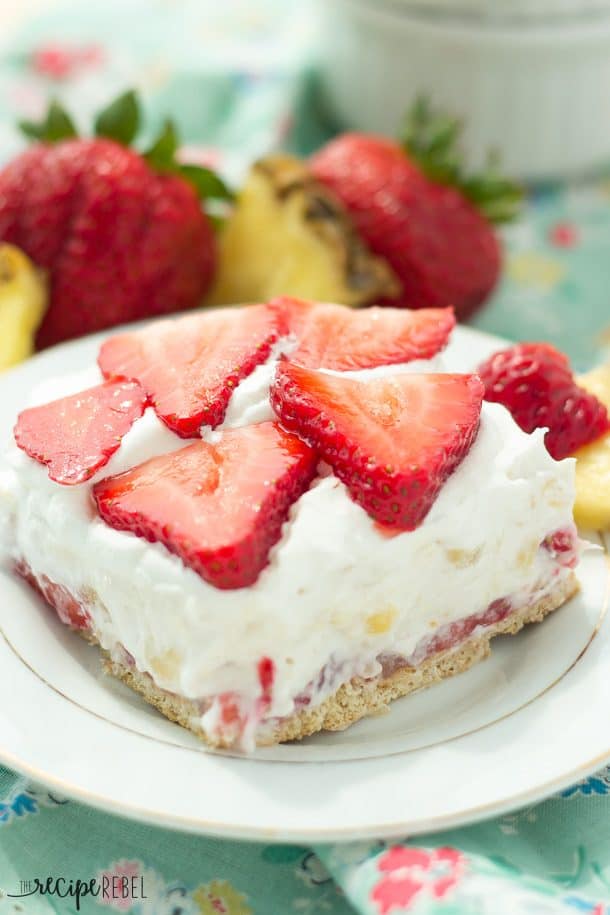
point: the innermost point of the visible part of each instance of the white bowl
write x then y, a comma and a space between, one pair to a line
533, 84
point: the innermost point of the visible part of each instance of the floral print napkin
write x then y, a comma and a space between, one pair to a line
551, 859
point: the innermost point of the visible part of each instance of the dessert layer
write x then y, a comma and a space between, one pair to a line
358, 697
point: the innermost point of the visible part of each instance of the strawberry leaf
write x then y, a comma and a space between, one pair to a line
162, 158
206, 182
56, 126
432, 140
498, 198
120, 121
161, 155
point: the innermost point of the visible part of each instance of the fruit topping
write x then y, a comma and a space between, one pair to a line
77, 435
190, 366
340, 338
219, 507
393, 441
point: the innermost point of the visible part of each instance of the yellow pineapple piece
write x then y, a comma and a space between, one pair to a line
23, 302
592, 507
597, 382
288, 235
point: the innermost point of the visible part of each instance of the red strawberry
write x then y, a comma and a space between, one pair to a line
120, 240
393, 441
190, 366
77, 435
413, 207
534, 381
220, 507
341, 338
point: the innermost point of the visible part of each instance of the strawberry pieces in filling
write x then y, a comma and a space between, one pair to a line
343, 339
563, 545
76, 436
393, 441
190, 366
220, 507
70, 610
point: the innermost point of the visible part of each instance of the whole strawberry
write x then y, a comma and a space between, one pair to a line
413, 206
535, 382
122, 235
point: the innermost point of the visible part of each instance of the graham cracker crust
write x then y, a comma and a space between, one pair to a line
358, 698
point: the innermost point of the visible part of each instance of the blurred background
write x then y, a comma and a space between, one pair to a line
530, 78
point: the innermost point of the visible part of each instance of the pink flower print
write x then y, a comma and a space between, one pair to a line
116, 883
564, 235
220, 898
412, 872
59, 62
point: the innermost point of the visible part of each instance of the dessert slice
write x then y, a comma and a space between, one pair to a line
278, 577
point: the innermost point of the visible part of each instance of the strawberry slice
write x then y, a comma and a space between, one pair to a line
393, 441
77, 435
221, 506
341, 338
190, 366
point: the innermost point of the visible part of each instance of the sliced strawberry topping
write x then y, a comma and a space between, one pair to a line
393, 441
341, 338
190, 366
77, 435
221, 506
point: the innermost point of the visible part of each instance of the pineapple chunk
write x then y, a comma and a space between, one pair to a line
592, 506
288, 235
23, 302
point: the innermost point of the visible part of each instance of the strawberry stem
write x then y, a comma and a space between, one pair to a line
432, 139
161, 155
120, 121
205, 181
57, 125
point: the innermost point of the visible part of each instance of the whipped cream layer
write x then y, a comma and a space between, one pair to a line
336, 588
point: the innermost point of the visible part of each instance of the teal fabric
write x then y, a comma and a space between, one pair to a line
551, 858
239, 77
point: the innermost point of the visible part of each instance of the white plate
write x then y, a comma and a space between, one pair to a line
526, 722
